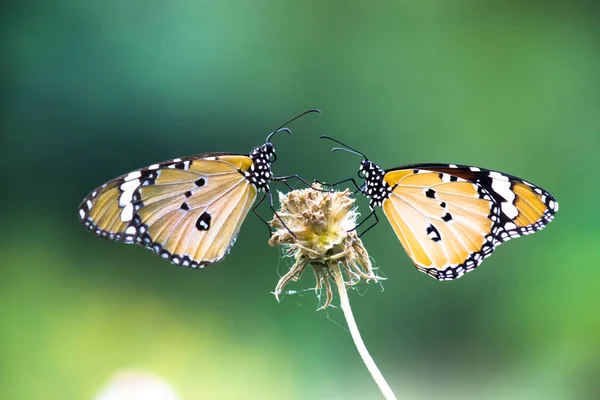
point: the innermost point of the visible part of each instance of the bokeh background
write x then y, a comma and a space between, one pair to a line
91, 90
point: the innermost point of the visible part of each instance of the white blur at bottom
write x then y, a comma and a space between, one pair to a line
137, 385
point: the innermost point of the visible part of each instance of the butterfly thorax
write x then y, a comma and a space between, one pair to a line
259, 173
375, 187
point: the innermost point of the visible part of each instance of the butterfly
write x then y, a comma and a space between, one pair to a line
450, 217
188, 210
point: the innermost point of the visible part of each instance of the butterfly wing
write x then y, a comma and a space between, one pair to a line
450, 217
188, 211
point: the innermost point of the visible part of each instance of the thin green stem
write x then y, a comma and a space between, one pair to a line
358, 342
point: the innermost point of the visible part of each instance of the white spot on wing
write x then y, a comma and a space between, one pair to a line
509, 209
498, 175
89, 204
153, 166
81, 213
127, 213
126, 198
133, 175
130, 230
510, 226
503, 189
445, 178
474, 169
128, 188
131, 185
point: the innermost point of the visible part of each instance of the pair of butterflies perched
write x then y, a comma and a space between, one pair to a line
189, 210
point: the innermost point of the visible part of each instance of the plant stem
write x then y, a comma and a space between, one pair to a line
358, 342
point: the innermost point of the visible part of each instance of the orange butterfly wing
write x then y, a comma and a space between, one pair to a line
188, 211
449, 218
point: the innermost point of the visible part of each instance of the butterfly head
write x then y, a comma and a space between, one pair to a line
365, 167
260, 174
374, 187
269, 151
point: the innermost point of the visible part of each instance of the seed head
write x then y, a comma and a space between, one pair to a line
317, 229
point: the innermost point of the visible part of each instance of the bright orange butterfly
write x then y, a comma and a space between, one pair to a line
450, 217
188, 210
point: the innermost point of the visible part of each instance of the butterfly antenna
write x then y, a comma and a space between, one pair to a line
345, 148
282, 127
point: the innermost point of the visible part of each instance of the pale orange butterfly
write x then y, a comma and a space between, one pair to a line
188, 210
450, 217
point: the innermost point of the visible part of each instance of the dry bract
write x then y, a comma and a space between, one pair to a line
316, 229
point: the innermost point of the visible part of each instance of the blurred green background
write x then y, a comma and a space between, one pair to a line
91, 90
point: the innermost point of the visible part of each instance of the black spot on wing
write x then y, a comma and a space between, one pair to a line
433, 233
203, 222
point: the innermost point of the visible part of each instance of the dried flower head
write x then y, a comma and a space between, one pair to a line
316, 228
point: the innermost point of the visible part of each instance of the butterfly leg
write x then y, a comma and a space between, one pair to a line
275, 212
340, 182
285, 179
260, 216
277, 215
372, 214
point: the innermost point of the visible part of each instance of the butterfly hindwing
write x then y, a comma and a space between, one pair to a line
450, 217
188, 211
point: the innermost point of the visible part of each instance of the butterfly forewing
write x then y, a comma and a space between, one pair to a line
188, 211
525, 207
449, 218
